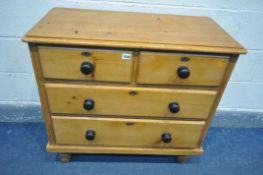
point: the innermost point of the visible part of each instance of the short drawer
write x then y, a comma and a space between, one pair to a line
129, 101
126, 132
86, 64
169, 68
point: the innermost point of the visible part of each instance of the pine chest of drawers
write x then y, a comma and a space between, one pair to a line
129, 83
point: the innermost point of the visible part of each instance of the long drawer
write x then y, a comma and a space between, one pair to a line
86, 64
129, 101
181, 69
126, 132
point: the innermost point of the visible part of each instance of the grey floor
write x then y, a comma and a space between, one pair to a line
227, 152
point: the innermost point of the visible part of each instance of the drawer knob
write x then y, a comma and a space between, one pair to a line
183, 72
88, 104
174, 107
86, 67
90, 135
166, 137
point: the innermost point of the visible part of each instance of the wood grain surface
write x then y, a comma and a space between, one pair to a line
161, 68
126, 132
134, 30
65, 63
129, 101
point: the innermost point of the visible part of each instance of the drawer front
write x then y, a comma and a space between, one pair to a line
86, 64
129, 101
166, 68
126, 132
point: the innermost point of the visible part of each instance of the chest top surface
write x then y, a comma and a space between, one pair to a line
132, 30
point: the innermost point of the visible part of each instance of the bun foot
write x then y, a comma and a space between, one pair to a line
182, 159
64, 157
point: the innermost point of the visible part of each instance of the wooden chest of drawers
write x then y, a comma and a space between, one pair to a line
129, 83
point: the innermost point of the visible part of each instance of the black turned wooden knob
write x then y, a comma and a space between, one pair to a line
174, 107
88, 104
183, 72
86, 67
166, 137
90, 135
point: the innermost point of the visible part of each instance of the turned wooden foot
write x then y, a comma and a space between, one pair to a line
182, 159
65, 157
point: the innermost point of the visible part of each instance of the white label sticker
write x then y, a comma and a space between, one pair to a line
126, 56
